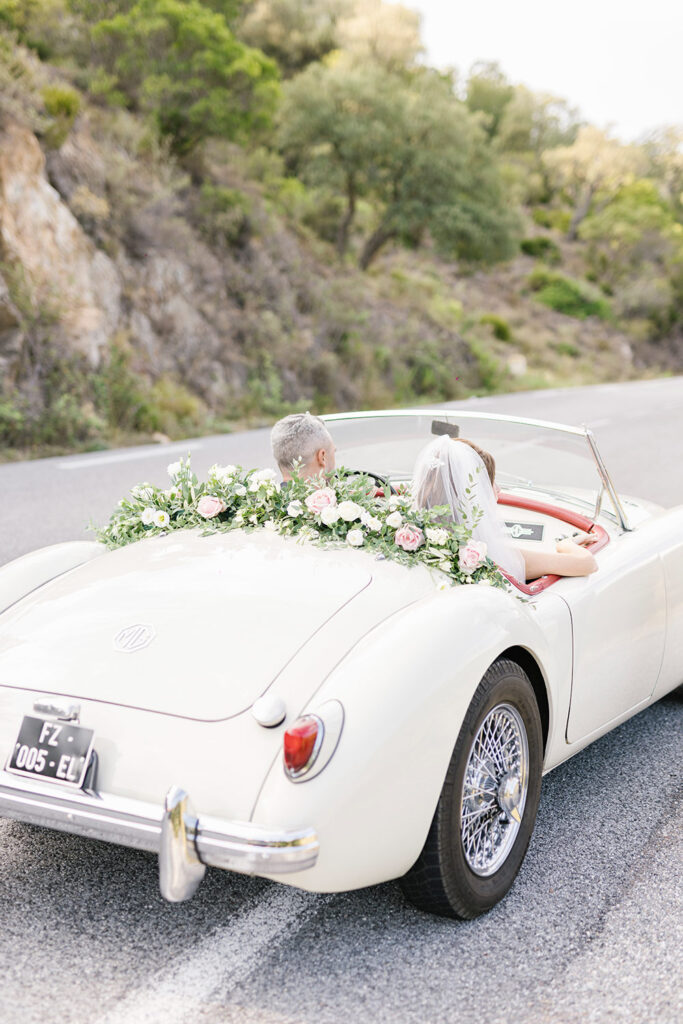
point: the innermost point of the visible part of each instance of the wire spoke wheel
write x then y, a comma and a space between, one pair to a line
487, 807
494, 790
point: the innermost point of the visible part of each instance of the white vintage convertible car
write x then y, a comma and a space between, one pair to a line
324, 718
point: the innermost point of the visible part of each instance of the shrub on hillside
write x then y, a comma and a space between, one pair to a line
566, 348
542, 248
499, 325
549, 218
62, 103
567, 295
223, 216
21, 74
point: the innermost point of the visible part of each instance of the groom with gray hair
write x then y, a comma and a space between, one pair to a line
304, 439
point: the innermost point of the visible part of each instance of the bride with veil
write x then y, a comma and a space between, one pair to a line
452, 472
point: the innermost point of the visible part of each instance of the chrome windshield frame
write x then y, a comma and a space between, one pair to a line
582, 431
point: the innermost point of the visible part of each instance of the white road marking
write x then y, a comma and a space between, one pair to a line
85, 462
217, 963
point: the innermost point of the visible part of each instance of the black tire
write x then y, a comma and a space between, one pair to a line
442, 880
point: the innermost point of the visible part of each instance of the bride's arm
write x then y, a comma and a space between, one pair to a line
568, 559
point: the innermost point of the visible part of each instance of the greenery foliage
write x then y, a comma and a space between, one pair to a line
342, 510
566, 295
224, 216
238, 145
404, 143
635, 248
62, 104
499, 325
552, 218
181, 62
542, 247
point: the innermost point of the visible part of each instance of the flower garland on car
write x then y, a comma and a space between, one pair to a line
343, 509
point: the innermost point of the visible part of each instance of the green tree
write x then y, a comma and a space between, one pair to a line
592, 170
388, 34
295, 33
408, 145
489, 93
664, 152
44, 25
179, 60
635, 247
534, 122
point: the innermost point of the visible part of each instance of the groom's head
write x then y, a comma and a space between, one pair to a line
303, 439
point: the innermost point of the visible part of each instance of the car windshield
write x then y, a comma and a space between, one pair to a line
531, 455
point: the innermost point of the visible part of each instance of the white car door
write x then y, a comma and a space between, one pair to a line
619, 629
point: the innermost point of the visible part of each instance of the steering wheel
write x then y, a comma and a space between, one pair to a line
381, 481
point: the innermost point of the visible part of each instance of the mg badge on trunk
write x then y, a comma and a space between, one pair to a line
134, 638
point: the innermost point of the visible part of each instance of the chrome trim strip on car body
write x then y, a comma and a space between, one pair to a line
64, 712
607, 481
232, 845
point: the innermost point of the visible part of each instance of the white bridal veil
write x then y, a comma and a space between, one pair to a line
444, 473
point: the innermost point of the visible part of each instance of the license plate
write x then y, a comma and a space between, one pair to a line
51, 750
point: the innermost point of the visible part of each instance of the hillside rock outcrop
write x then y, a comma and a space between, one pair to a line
48, 255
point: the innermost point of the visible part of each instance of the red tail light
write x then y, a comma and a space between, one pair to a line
302, 743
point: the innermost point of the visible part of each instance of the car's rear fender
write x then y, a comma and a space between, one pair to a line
405, 689
25, 574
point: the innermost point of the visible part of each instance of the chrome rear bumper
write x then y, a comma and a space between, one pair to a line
185, 843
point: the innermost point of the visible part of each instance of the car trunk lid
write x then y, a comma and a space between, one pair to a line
184, 625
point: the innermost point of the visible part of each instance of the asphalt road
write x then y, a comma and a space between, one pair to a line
590, 932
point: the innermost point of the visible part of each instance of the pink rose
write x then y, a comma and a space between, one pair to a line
209, 506
472, 555
320, 499
409, 537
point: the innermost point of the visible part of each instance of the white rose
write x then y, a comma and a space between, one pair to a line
271, 525
355, 538
161, 519
173, 469
254, 485
147, 516
436, 535
240, 490
371, 522
223, 473
294, 509
349, 511
265, 477
394, 520
394, 502
329, 515
446, 566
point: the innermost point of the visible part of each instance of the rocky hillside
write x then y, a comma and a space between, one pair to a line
143, 295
